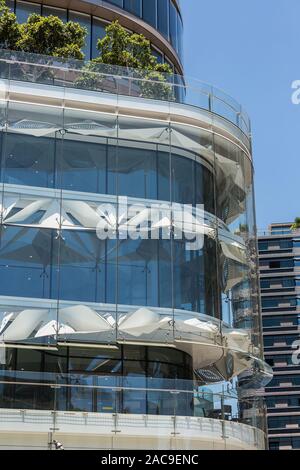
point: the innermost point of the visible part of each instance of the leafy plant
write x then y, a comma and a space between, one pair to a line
9, 28
120, 48
41, 35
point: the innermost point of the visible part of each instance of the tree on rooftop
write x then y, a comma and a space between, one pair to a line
51, 36
120, 48
9, 28
41, 35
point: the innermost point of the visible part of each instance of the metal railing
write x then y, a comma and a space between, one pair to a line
124, 81
88, 393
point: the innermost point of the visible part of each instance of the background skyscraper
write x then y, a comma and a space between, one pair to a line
279, 254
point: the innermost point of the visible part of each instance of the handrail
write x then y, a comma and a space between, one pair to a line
165, 87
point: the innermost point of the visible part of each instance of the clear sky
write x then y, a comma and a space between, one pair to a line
251, 50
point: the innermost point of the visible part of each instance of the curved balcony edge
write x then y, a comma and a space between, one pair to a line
108, 87
30, 429
218, 352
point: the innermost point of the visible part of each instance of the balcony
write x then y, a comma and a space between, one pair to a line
123, 82
120, 412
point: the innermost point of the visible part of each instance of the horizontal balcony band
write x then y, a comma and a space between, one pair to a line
67, 96
205, 339
130, 430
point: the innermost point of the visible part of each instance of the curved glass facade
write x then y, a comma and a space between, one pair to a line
128, 261
130, 272
60, 165
163, 15
128, 380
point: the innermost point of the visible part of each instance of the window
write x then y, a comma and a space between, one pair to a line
119, 3
98, 32
133, 6
180, 35
268, 303
293, 320
82, 165
279, 422
274, 264
279, 301
291, 401
278, 264
182, 180
59, 12
136, 172
173, 26
286, 244
24, 9
274, 283
288, 340
27, 262
163, 17
150, 12
263, 246
29, 160
270, 362
288, 283
85, 21
158, 55
11, 4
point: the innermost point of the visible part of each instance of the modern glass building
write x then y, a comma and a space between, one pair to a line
129, 299
279, 250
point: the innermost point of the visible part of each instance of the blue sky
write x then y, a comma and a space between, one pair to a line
251, 50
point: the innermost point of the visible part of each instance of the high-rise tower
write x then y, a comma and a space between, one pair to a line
279, 253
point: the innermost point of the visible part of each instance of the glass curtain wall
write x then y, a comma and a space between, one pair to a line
58, 168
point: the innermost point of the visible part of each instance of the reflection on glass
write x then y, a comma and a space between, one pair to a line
85, 22
98, 32
24, 9
29, 160
163, 17
59, 12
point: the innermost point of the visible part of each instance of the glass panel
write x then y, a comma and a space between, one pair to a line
183, 177
98, 32
85, 21
88, 146
138, 272
119, 3
27, 263
24, 9
163, 17
158, 55
133, 6
10, 4
82, 267
137, 170
59, 12
173, 26
180, 36
150, 12
30, 145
